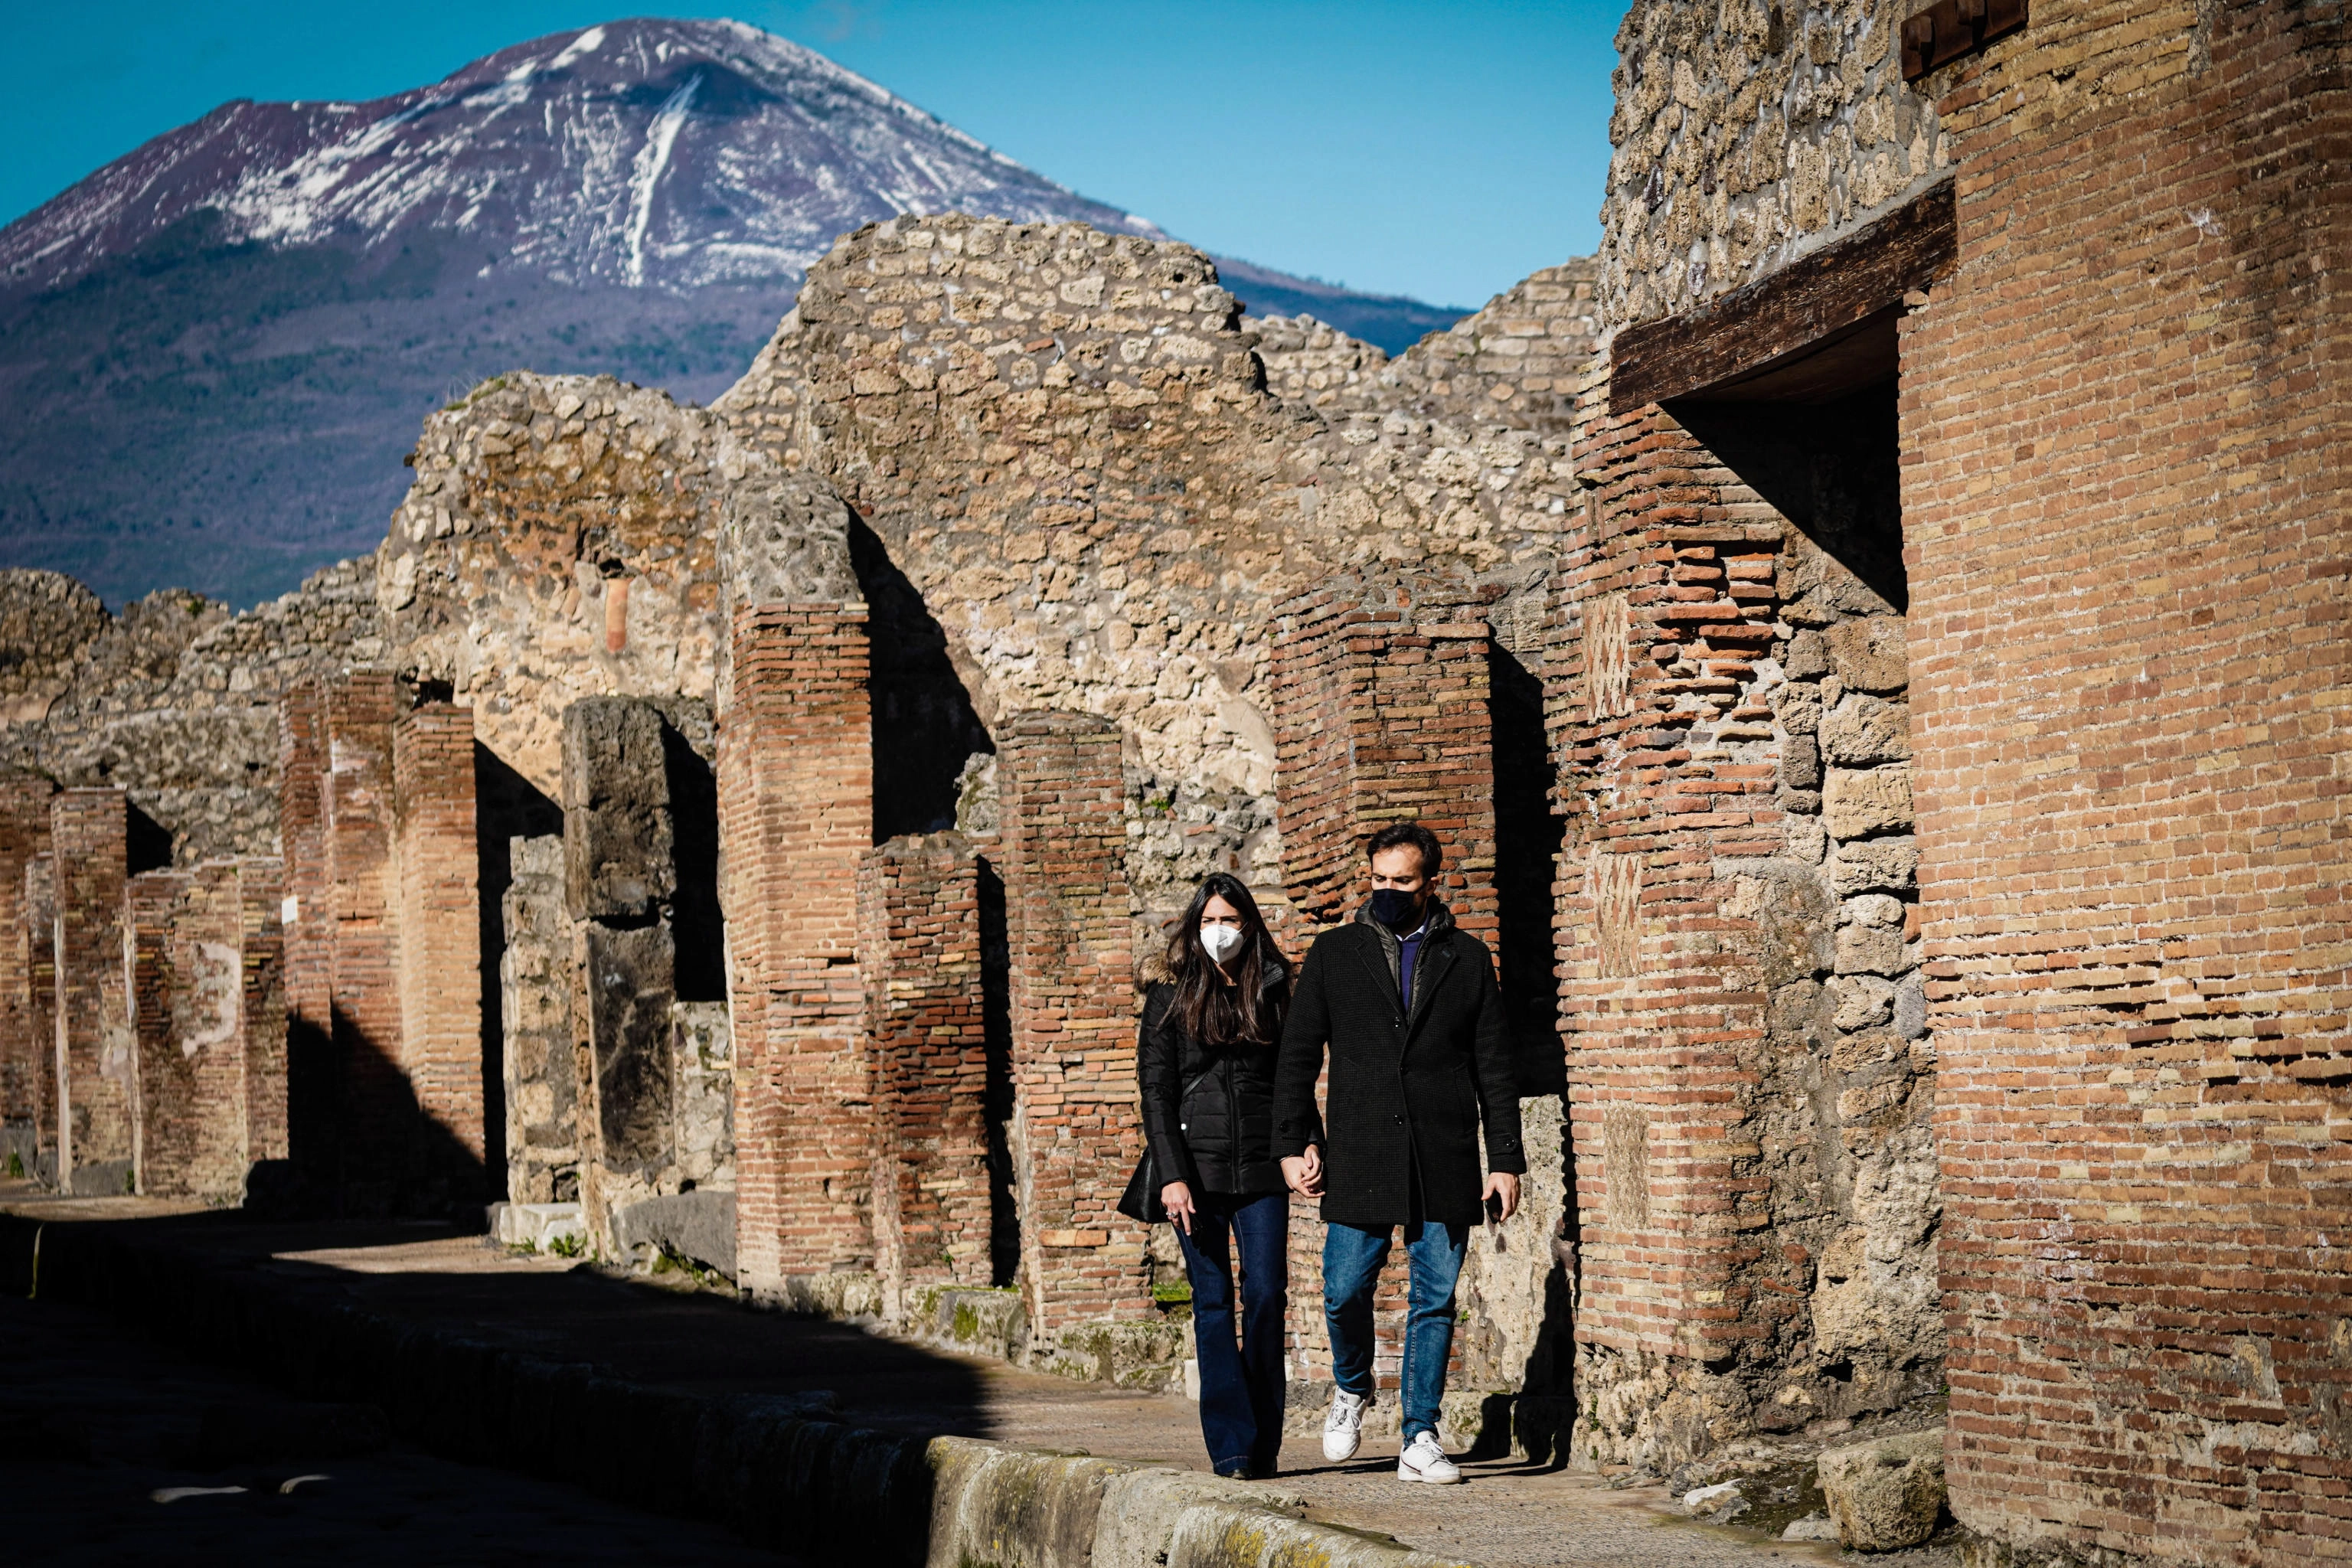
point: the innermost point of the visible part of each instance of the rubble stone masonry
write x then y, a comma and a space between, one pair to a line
2125, 498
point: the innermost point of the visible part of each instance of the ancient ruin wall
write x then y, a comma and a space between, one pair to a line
1748, 135
175, 701
1064, 442
2128, 643
560, 542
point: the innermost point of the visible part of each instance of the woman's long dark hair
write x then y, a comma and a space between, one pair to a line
1249, 1011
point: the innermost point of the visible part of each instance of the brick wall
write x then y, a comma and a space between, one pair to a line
39, 946
439, 928
306, 915
1381, 717
1075, 1134
27, 1056
375, 1107
89, 834
186, 980
261, 890
543, 1096
796, 789
2125, 504
918, 949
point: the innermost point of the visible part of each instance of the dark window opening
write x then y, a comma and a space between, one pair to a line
1527, 835
1817, 432
695, 924
996, 1034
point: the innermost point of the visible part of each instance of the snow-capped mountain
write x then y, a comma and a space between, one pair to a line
653, 152
214, 350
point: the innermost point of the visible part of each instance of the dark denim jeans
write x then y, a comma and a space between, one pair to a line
1241, 1385
1352, 1256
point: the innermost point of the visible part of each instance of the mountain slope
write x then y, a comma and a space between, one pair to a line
214, 350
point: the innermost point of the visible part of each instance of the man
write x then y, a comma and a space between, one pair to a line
1408, 1005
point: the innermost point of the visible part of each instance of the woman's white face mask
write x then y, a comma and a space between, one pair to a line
1221, 940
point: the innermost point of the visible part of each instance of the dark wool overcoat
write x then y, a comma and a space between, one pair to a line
1407, 1094
1208, 1114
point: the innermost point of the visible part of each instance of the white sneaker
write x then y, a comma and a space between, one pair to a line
1424, 1460
1343, 1429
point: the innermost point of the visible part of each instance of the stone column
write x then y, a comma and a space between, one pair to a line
439, 936
38, 941
620, 876
1064, 821
796, 792
542, 1079
918, 948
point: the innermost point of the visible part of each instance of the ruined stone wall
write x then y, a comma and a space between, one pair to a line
560, 542
96, 1058
2126, 500
1063, 441
175, 701
28, 1057
1748, 135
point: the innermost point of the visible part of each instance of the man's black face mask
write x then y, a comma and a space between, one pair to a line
1396, 909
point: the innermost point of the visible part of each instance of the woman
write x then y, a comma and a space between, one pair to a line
1206, 1057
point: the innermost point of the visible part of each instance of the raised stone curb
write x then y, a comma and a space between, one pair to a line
765, 1464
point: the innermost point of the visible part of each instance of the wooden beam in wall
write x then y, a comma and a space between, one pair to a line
1806, 300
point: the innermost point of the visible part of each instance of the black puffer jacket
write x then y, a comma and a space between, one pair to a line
1408, 1096
1209, 1116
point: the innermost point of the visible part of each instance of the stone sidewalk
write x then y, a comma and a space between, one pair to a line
1507, 1515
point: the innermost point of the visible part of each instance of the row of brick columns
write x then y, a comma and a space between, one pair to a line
143, 1043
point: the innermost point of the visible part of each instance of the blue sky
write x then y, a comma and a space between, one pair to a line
1438, 150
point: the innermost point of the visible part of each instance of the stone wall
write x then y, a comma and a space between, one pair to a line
28, 1057
1063, 443
175, 701
542, 1082
96, 1053
1749, 135
560, 542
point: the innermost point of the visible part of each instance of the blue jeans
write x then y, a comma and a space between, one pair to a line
1352, 1256
1241, 1385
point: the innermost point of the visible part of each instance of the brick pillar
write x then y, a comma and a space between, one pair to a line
88, 831
38, 942
796, 804
1077, 1137
261, 887
918, 948
439, 938
305, 914
373, 1105
1381, 717
185, 979
27, 1056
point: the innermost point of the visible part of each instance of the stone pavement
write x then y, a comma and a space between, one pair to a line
1507, 1515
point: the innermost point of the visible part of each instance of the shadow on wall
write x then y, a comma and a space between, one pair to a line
359, 1143
925, 725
